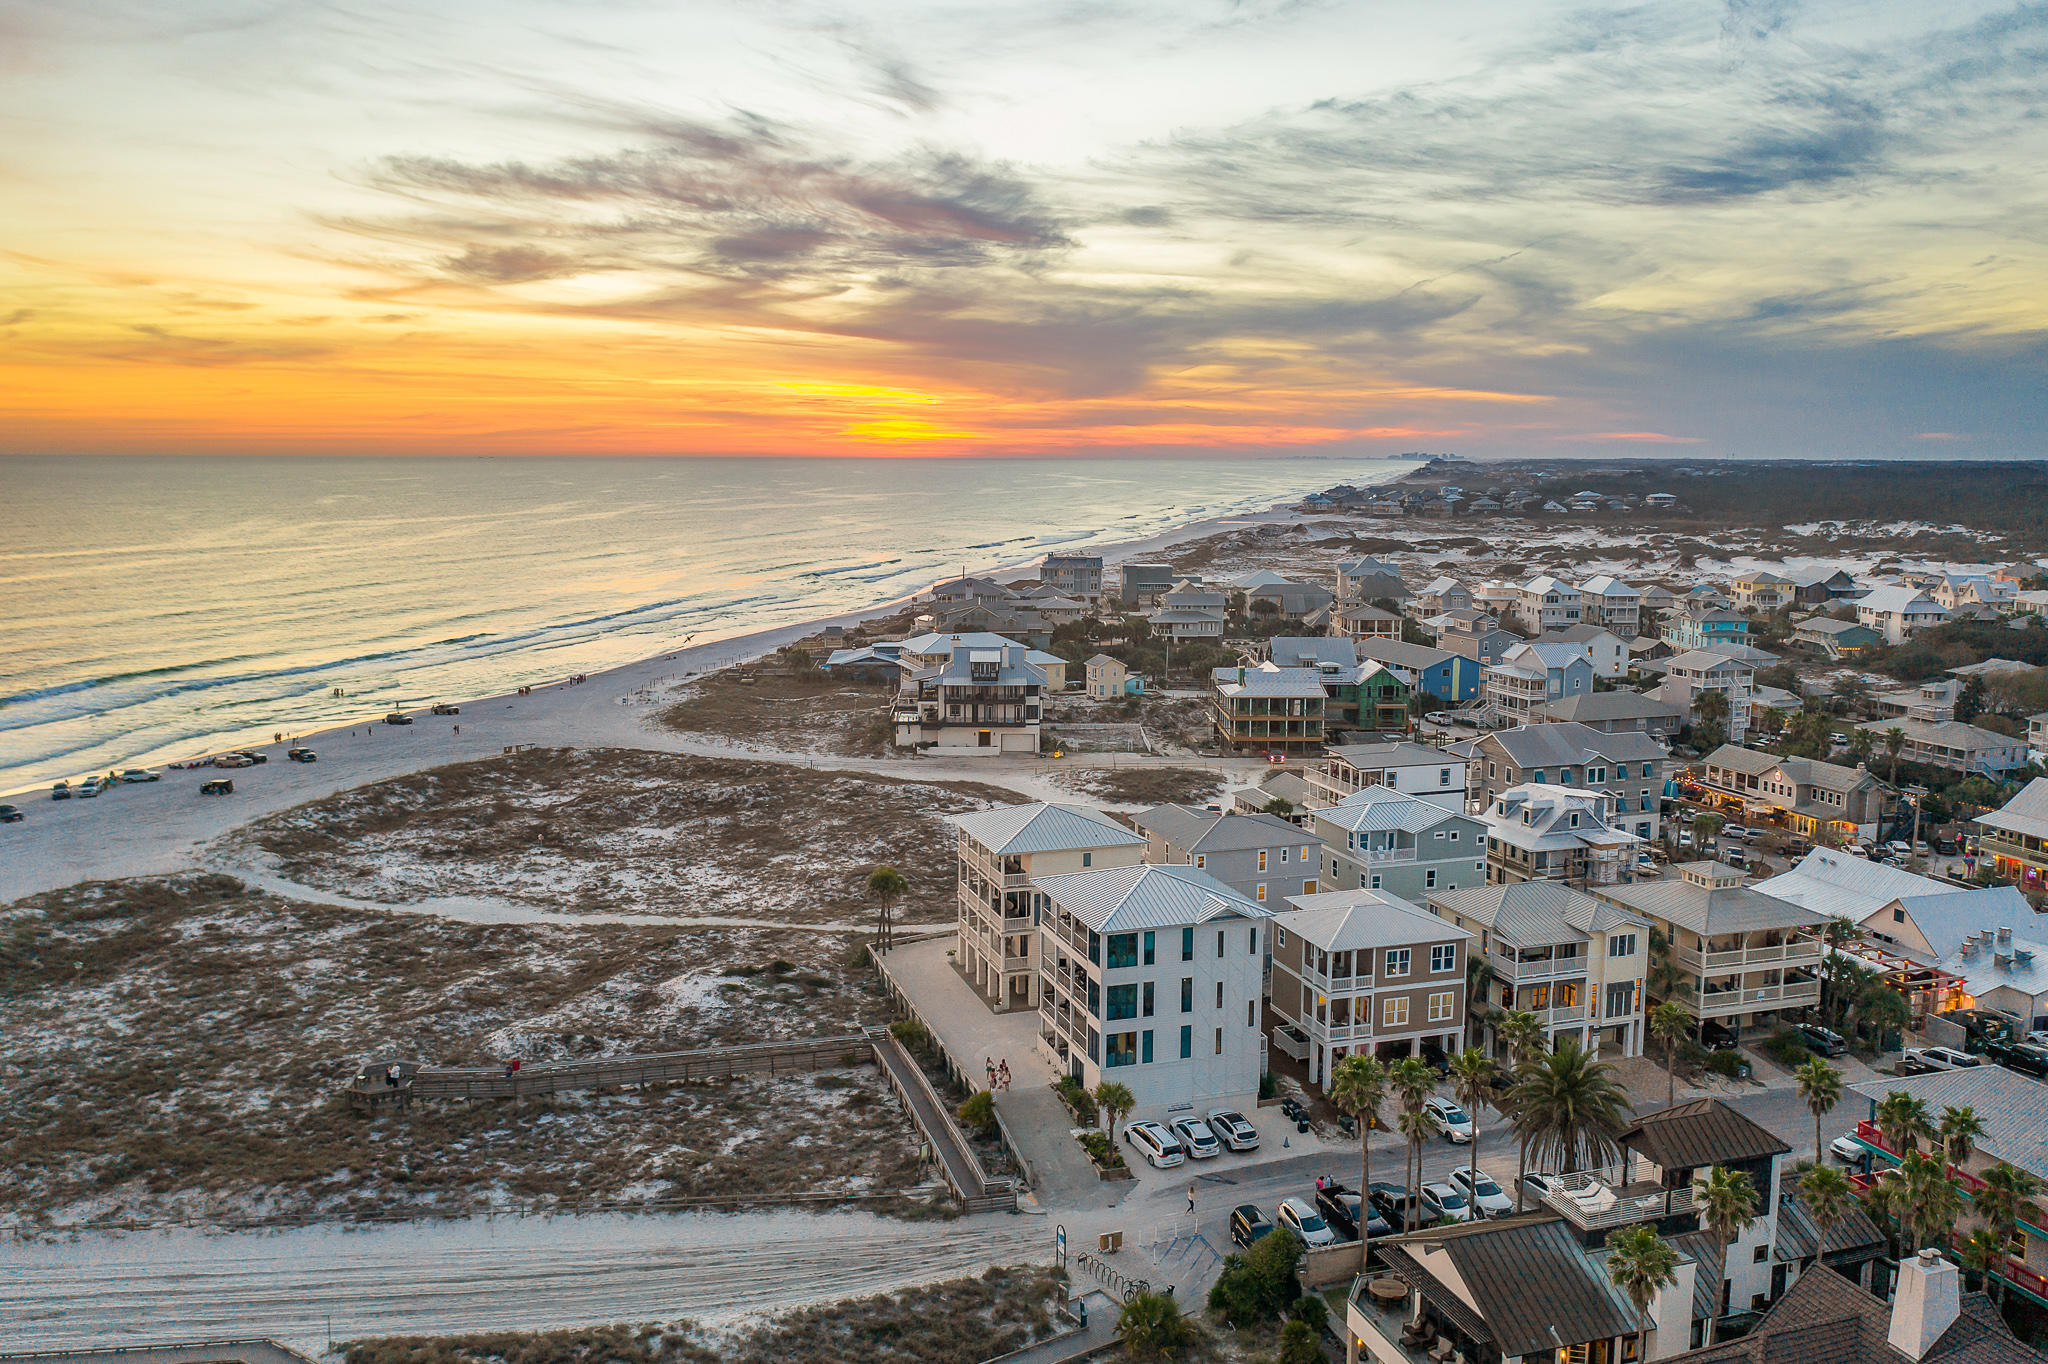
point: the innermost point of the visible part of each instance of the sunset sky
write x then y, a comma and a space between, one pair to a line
1769, 228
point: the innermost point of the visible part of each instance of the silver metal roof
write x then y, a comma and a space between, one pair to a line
1123, 899
1016, 830
1347, 920
2013, 1108
1536, 913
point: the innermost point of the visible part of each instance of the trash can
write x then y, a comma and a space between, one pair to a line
1079, 1307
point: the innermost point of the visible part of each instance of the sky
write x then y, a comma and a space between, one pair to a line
1768, 228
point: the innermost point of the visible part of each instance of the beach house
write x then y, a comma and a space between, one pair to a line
1270, 707
1556, 833
982, 699
1626, 765
1447, 676
1260, 856
1108, 679
1896, 612
1688, 675
1153, 977
1533, 674
1545, 603
1835, 638
1701, 626
1074, 575
1954, 746
1814, 798
2014, 839
1365, 972
1407, 845
1000, 853
1608, 602
1416, 768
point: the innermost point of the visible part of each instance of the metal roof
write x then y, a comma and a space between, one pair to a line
1017, 830
1566, 743
938, 643
1536, 1287
1293, 651
1123, 899
1836, 885
1697, 1133
1610, 705
1266, 680
1350, 920
1708, 911
2026, 813
1376, 809
1535, 913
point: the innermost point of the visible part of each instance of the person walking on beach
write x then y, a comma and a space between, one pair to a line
1006, 1072
1191, 1198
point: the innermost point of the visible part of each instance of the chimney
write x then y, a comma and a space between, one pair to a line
2005, 934
1928, 1301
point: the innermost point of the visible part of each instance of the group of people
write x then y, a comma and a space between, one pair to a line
998, 1075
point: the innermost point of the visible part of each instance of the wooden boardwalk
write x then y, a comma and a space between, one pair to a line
559, 1077
250, 1350
976, 1191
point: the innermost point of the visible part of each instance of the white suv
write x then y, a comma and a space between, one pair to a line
1449, 1119
1155, 1143
1231, 1128
1195, 1137
1304, 1221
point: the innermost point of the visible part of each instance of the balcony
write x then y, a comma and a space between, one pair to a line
1804, 953
1590, 1202
1720, 1003
1506, 969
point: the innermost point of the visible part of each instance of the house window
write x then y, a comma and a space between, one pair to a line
1621, 771
1621, 945
1537, 776
1121, 1049
1187, 1042
1621, 999
1123, 1002
1187, 994
1443, 776
1148, 1005
1262, 859
1201, 860
1262, 892
1123, 950
1439, 835
1280, 941
1219, 944
1397, 961
1429, 878
1219, 994
1307, 888
1596, 776
1087, 859
1440, 1007
1251, 1013
1898, 916
1252, 940
1145, 1046
1375, 881
1394, 1012
1187, 944
1219, 1041
1443, 957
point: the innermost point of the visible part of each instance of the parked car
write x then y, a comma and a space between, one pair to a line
1848, 1151
398, 717
10, 814
1899, 847
61, 791
1483, 1193
1448, 1119
234, 760
1685, 838
1441, 1199
1155, 1143
1232, 1130
1737, 832
1341, 1208
1195, 1137
90, 788
135, 774
302, 755
254, 756
1946, 846
1826, 1041
445, 709
1304, 1221
219, 786
1391, 1201
2024, 1057
1247, 1224
1535, 1186
1943, 1058
2038, 1038
1716, 1036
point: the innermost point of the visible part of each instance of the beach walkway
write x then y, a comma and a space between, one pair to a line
257, 1350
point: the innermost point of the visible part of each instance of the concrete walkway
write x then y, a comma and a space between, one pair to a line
1064, 1175
252, 1351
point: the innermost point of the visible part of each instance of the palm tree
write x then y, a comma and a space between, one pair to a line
1835, 938
1414, 1124
1567, 1109
1958, 1133
1829, 1196
1359, 1087
1860, 745
1894, 740
1412, 1082
887, 885
1664, 976
1888, 1197
1902, 1122
1151, 1327
1472, 1073
1710, 709
1886, 1011
1478, 992
1667, 1023
1983, 1254
2005, 1196
1115, 1100
1521, 1032
1934, 1203
1727, 1203
1641, 1265
1820, 1084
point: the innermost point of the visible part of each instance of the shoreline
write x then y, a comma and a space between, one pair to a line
699, 660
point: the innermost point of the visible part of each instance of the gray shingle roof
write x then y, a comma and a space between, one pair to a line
1588, 707
2013, 1108
1198, 831
1123, 899
1537, 1288
1401, 654
1698, 1133
1557, 745
1532, 913
1016, 830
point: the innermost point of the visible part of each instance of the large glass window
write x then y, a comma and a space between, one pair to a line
1187, 994
1145, 1046
1122, 1050
1443, 957
1123, 1002
1187, 1042
1123, 950
1187, 944
1149, 954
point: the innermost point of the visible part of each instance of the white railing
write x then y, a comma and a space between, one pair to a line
1508, 969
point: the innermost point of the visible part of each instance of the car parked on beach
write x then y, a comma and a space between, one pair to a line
90, 788
219, 786
398, 717
135, 774
10, 814
302, 755
254, 756
234, 760
61, 791
445, 709
1233, 1130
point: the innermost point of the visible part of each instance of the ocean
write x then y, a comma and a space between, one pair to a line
157, 608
